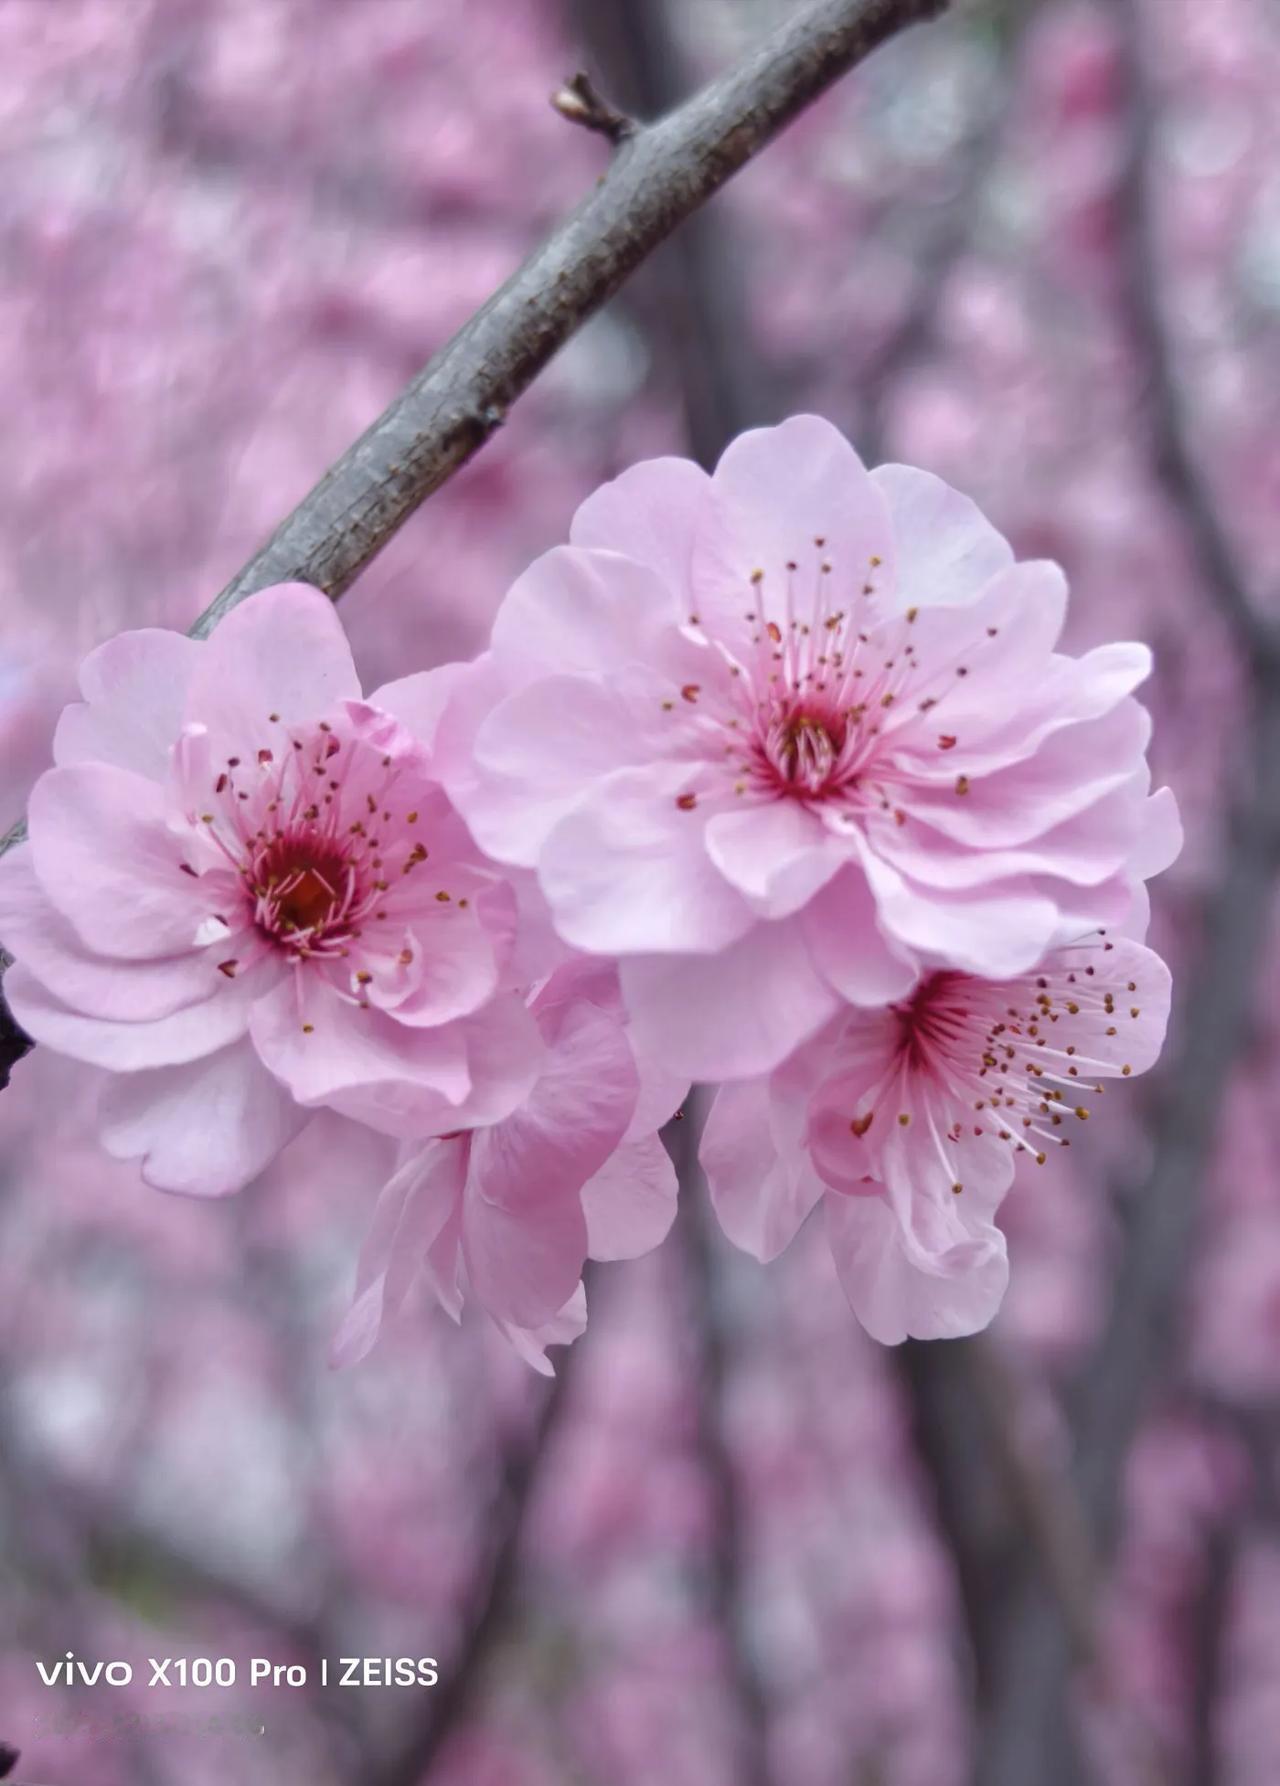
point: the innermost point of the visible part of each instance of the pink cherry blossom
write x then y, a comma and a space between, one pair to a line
246, 895
505, 1216
906, 1124
780, 737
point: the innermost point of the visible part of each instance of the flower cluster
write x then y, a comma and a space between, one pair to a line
772, 778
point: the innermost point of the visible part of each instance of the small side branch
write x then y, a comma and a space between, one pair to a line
580, 102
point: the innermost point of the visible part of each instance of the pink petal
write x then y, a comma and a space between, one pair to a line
1125, 1041
995, 932
650, 513
891, 1296
541, 750
412, 1209
576, 610
762, 1184
322, 1045
848, 947
185, 1034
573, 1118
947, 551
729, 1015
524, 1263
1159, 840
627, 870
531, 1343
921, 1260
205, 1129
283, 652
134, 687
776, 852
777, 493
104, 853
1073, 769
97, 985
421, 701
630, 1203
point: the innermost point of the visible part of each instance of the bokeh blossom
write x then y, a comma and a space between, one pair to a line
781, 737
906, 1123
506, 1216
246, 896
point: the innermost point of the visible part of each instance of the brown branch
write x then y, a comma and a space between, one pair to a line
661, 174
1030, 1718
727, 1599
580, 102
494, 1602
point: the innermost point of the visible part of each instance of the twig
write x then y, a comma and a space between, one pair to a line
580, 102
661, 174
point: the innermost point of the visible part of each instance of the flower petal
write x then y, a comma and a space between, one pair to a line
947, 550
732, 1014
134, 687
105, 854
281, 652
627, 870
784, 502
630, 1203
37, 934
412, 1209
185, 1034
650, 513
762, 1184
848, 947
205, 1129
776, 852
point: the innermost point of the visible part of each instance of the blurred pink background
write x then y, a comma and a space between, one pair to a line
740, 1545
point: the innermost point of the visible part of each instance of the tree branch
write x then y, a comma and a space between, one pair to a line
726, 1584
495, 1600
660, 175
1030, 1719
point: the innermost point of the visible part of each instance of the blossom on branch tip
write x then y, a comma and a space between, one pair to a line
783, 737
506, 1216
906, 1124
246, 895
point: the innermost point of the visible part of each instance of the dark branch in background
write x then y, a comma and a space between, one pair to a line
990, 1489
1209, 1642
659, 176
945, 246
9, 1759
726, 1582
689, 301
1030, 1719
493, 1604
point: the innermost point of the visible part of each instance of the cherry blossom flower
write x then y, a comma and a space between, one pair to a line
780, 736
906, 1124
245, 895
505, 1216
